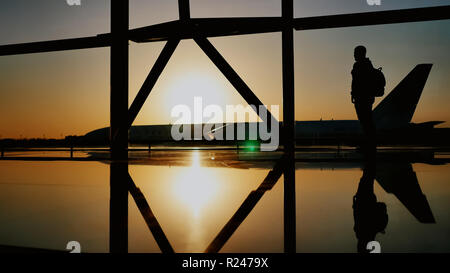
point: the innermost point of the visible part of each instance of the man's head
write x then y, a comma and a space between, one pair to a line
360, 53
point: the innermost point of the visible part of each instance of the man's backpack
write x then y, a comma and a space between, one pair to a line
378, 82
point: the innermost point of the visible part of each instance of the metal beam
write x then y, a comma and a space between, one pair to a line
289, 218
56, 45
151, 79
289, 125
119, 127
149, 217
118, 208
119, 80
373, 18
184, 9
218, 27
232, 76
205, 27
288, 77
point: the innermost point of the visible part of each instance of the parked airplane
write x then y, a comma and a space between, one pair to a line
392, 117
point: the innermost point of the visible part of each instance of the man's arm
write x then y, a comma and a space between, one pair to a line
354, 72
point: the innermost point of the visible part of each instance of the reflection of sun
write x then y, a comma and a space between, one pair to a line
196, 186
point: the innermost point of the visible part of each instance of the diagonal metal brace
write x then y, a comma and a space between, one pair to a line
247, 206
149, 217
151, 79
232, 76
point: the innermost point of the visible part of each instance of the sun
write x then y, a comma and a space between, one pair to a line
195, 84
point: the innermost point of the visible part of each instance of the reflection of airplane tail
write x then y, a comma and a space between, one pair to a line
400, 180
397, 109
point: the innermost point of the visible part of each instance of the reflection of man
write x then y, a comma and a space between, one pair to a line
370, 216
362, 96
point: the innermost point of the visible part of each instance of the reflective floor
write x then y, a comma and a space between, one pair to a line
227, 201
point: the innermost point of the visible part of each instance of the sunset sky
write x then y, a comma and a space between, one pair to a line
67, 93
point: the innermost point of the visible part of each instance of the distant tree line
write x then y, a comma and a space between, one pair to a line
68, 141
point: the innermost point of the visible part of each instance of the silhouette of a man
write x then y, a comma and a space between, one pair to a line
370, 216
362, 97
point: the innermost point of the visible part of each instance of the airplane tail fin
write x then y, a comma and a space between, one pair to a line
401, 180
397, 109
